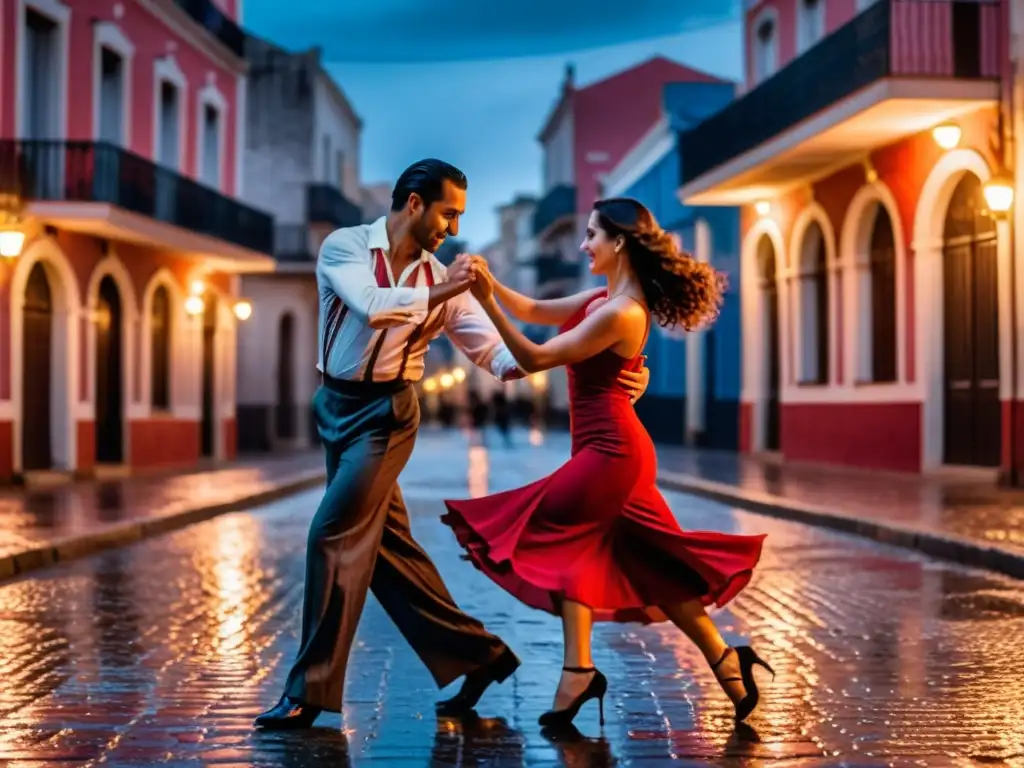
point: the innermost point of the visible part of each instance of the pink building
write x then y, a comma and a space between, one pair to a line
868, 155
120, 129
587, 133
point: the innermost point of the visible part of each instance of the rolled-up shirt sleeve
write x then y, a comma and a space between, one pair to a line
469, 328
344, 265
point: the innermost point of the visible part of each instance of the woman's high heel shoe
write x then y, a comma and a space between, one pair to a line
596, 689
747, 659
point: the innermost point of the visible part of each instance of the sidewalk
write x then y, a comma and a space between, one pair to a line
45, 526
953, 519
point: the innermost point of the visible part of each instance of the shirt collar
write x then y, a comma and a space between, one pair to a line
379, 239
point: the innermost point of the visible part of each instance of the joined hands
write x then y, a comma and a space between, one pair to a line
471, 270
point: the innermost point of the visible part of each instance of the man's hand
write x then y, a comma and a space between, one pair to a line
482, 286
461, 270
635, 382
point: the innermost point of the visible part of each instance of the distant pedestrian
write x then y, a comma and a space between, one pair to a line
502, 414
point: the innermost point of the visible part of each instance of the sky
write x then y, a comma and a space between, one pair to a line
476, 91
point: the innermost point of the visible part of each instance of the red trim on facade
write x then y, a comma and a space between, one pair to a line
6, 450
164, 442
86, 447
866, 435
230, 433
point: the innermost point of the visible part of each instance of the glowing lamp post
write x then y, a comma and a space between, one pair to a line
195, 306
999, 195
12, 236
947, 135
243, 309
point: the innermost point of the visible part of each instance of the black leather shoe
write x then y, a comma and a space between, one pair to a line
478, 681
288, 714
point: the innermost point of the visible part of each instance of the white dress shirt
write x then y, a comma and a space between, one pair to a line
374, 333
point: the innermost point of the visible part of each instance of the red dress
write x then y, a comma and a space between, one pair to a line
597, 530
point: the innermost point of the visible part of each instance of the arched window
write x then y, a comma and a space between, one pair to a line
160, 344
882, 269
814, 311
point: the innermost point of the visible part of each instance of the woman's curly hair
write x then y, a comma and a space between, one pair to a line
679, 290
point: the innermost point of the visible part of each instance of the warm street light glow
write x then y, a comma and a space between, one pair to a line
763, 207
11, 241
459, 374
430, 385
243, 309
12, 238
198, 287
947, 135
999, 194
539, 380
195, 305
447, 381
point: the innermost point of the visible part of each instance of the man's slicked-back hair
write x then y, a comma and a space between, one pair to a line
426, 178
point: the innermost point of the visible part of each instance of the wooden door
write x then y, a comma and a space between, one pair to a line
972, 410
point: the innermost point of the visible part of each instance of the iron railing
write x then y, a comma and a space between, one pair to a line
98, 172
216, 22
558, 202
924, 39
326, 203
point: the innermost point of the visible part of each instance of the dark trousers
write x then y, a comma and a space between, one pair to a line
360, 539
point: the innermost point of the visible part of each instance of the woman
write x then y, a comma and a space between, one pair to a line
596, 540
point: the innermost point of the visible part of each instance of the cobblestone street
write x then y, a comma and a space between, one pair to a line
162, 653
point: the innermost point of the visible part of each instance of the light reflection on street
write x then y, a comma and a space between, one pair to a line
478, 475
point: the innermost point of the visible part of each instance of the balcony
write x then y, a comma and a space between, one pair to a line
325, 204
103, 190
555, 276
292, 243
217, 23
898, 68
558, 203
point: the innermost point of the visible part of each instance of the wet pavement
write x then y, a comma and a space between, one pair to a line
948, 505
161, 653
34, 517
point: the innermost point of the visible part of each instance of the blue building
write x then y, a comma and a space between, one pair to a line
694, 392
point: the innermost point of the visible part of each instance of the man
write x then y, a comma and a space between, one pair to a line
383, 297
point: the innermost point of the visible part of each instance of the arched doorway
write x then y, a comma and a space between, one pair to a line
769, 285
109, 374
972, 412
209, 423
36, 372
284, 427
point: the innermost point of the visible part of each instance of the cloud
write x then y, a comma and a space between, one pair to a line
380, 31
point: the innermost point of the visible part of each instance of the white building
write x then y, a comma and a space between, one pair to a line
301, 164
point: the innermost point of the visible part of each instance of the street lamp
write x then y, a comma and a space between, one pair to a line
430, 385
11, 241
999, 194
243, 309
12, 237
459, 374
194, 305
947, 135
447, 381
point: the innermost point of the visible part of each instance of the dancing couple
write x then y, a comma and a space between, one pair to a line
594, 541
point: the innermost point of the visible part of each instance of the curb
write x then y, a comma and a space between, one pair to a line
958, 549
122, 534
